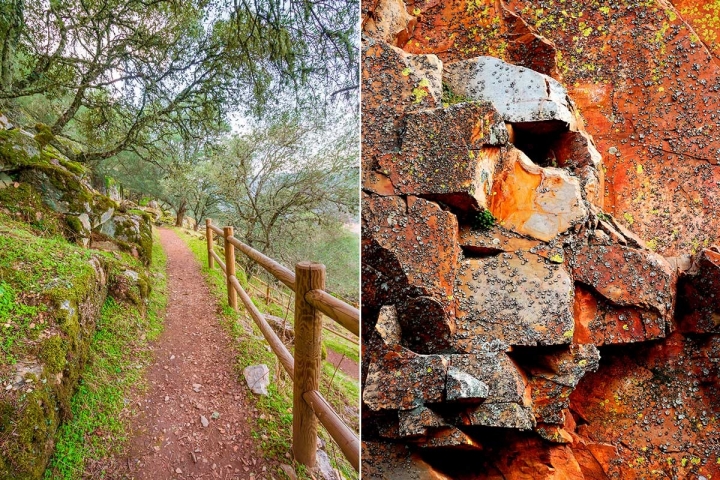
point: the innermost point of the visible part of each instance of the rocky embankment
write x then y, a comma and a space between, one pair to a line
540, 189
53, 287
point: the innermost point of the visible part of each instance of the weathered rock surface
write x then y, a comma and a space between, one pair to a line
571, 348
699, 294
257, 378
520, 299
535, 201
396, 83
523, 97
443, 154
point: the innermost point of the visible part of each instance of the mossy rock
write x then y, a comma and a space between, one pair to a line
53, 352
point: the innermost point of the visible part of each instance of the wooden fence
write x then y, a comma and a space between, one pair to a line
311, 301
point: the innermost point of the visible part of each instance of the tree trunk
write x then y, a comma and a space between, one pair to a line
197, 226
181, 214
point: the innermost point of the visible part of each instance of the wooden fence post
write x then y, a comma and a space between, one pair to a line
209, 237
230, 267
308, 361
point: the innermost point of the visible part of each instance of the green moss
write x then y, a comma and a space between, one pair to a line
32, 420
118, 347
44, 135
74, 223
484, 220
450, 98
52, 353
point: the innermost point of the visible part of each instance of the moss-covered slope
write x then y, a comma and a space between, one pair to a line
51, 293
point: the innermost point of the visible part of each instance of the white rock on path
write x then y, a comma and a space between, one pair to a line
257, 378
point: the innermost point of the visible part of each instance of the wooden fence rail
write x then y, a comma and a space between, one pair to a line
311, 301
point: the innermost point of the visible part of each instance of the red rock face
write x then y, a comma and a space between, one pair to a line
539, 286
646, 86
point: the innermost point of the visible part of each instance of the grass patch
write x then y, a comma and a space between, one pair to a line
341, 346
36, 276
119, 353
272, 426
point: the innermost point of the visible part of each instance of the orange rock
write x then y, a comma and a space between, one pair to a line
627, 277
393, 82
389, 21
395, 461
415, 237
698, 290
534, 201
456, 31
647, 88
444, 155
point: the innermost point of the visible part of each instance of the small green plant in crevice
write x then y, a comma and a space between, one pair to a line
603, 216
484, 220
450, 98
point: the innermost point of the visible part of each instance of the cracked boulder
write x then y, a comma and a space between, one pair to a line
537, 202
412, 243
699, 294
388, 20
393, 83
403, 380
517, 298
627, 277
523, 97
445, 156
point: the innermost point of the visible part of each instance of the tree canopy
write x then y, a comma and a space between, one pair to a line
124, 75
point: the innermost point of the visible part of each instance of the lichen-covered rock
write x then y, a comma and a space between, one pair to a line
403, 380
627, 277
38, 396
505, 380
699, 294
413, 243
389, 21
520, 299
393, 83
463, 387
444, 154
523, 97
63, 189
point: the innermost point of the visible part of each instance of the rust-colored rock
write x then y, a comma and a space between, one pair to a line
413, 243
550, 238
456, 30
628, 277
699, 294
393, 82
444, 154
520, 299
389, 21
403, 380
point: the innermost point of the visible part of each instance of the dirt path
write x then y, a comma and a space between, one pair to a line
347, 366
192, 377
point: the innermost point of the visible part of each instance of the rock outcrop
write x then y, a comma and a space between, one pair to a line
44, 186
53, 288
540, 189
